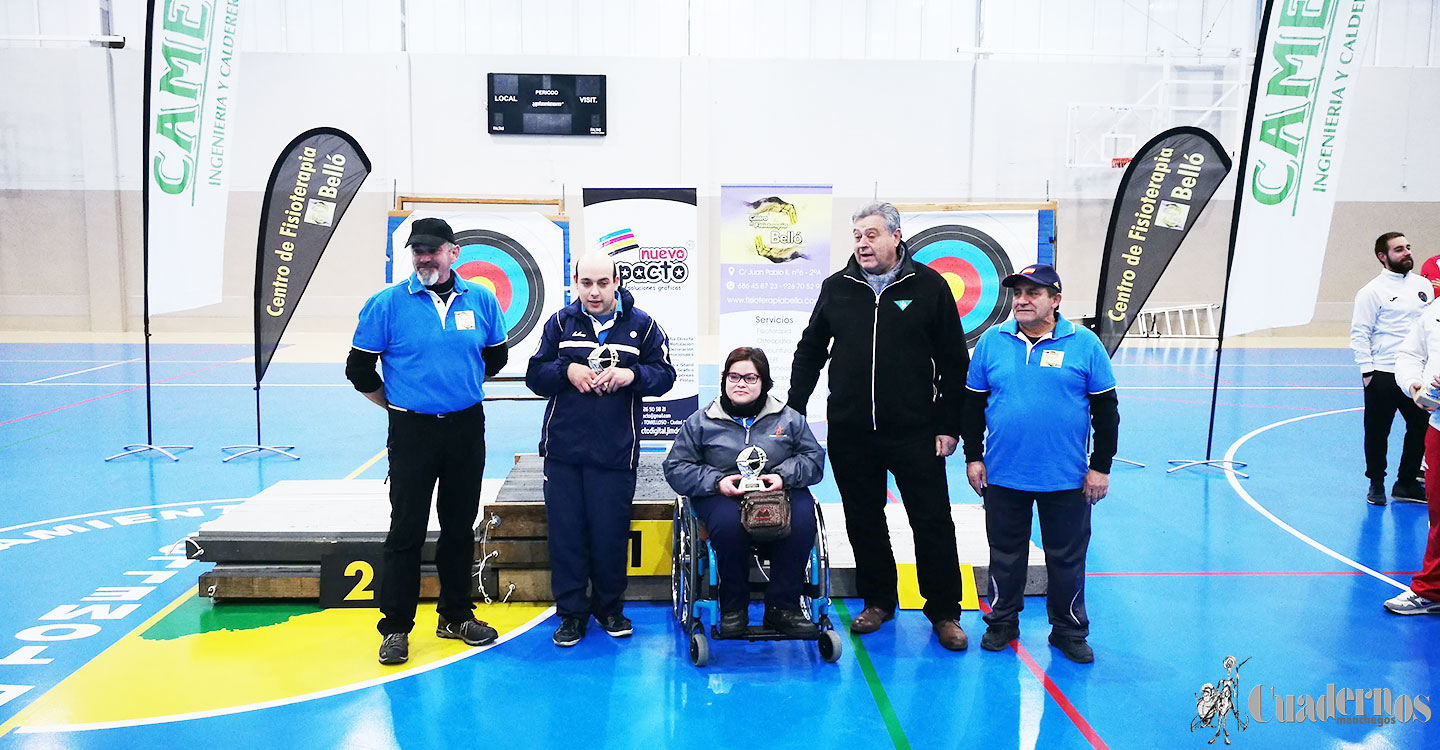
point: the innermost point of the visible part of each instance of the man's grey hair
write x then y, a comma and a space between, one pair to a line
889, 213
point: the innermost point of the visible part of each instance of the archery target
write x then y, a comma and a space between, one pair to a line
974, 264
503, 265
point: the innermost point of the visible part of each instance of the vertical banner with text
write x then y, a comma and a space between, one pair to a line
774, 254
1302, 100
651, 233
311, 185
190, 118
1161, 195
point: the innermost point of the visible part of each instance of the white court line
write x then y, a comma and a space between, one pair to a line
1235, 484
79, 372
411, 672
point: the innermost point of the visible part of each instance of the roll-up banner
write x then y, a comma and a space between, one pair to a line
652, 235
1303, 98
518, 255
1161, 195
774, 254
310, 187
191, 116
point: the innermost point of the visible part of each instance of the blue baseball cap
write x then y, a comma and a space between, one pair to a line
1039, 275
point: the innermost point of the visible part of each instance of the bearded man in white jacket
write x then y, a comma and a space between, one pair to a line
1385, 311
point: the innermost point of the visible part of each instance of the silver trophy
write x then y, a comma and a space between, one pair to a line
603, 357
751, 462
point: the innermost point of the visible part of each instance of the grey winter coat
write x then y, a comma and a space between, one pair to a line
705, 450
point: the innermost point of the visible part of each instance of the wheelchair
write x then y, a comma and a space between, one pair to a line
694, 586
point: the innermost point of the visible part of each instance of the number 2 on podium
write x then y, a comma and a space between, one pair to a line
366, 573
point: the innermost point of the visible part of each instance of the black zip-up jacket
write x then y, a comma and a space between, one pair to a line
897, 359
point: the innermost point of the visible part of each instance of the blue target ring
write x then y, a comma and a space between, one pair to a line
972, 260
510, 270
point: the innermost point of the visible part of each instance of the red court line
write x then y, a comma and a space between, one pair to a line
108, 395
1253, 573
1053, 691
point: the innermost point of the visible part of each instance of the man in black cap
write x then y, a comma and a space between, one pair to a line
437, 338
1038, 383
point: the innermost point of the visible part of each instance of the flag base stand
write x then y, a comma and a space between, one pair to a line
245, 450
168, 451
1128, 461
1219, 463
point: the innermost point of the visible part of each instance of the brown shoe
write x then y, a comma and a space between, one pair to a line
950, 635
869, 620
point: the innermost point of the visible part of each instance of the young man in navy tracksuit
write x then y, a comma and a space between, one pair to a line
590, 439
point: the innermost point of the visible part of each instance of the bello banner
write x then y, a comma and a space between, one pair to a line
1161, 195
774, 254
190, 82
312, 184
651, 234
1302, 98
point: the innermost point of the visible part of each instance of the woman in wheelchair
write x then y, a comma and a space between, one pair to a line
702, 465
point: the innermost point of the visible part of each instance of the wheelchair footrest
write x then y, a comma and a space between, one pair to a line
759, 633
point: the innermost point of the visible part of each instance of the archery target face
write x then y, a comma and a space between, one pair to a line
973, 264
506, 268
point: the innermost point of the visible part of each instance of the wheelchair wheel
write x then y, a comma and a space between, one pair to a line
830, 646
700, 649
685, 562
679, 603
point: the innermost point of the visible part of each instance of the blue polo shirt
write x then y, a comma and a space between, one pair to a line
430, 350
1037, 420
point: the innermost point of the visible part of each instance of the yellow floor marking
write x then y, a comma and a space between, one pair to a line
909, 588
139, 679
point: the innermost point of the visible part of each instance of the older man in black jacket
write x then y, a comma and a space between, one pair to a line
890, 328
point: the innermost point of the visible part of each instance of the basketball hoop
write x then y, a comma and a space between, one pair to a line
1119, 162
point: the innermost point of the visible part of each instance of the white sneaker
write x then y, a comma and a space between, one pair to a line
1411, 603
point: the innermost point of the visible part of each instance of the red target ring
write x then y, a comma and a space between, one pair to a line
489, 274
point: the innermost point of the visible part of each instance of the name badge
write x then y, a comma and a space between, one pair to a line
1051, 358
465, 320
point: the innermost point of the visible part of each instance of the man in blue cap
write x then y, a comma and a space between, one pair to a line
1038, 383
437, 338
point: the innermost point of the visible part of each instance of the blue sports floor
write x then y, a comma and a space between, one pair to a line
1285, 571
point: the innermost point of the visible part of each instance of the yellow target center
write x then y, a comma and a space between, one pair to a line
957, 285
486, 282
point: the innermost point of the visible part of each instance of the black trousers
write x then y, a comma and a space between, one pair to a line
587, 519
721, 516
423, 450
860, 457
1065, 537
1382, 398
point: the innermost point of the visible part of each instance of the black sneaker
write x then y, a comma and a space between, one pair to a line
1074, 649
571, 630
473, 632
395, 648
1376, 495
616, 625
791, 622
998, 636
733, 623
1408, 491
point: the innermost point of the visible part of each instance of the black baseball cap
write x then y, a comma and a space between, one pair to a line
430, 233
1039, 275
